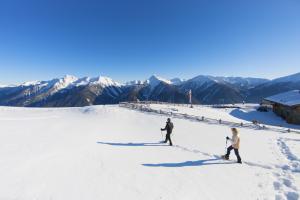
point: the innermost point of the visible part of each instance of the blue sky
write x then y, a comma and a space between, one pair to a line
132, 39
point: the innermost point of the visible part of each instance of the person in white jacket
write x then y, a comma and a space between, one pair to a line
235, 145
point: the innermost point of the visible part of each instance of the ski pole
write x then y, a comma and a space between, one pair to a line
226, 146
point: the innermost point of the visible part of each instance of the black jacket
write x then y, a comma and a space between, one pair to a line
169, 127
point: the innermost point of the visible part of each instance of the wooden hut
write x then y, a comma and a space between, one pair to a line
286, 105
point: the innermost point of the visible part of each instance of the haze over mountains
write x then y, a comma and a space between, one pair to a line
73, 91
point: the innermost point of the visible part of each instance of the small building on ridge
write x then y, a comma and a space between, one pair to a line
286, 105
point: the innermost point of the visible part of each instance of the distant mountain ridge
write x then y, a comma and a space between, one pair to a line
73, 91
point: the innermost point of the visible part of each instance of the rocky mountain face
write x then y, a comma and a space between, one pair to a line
70, 91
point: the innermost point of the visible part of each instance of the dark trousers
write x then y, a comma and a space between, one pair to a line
236, 151
168, 138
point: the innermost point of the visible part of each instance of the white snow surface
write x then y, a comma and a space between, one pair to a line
246, 113
290, 98
108, 152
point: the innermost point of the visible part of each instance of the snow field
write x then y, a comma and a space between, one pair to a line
108, 152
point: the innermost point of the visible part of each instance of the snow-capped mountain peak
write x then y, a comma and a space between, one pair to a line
177, 81
58, 83
82, 81
71, 91
29, 83
104, 81
202, 79
100, 80
154, 80
64, 82
69, 79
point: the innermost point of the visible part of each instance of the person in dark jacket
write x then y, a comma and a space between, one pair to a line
169, 127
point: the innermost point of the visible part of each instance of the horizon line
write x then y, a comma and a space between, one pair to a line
122, 82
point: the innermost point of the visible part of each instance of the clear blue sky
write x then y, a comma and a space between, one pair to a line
132, 39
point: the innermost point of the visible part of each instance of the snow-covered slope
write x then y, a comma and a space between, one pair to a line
64, 82
242, 81
237, 81
245, 113
33, 92
108, 152
274, 87
199, 81
290, 78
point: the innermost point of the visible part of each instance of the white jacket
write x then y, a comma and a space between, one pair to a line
235, 141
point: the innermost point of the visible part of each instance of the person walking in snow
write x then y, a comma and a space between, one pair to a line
235, 145
169, 127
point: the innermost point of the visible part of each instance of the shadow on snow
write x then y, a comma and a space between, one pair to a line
190, 163
268, 118
130, 144
213, 161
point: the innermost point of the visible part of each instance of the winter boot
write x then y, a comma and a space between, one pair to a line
225, 157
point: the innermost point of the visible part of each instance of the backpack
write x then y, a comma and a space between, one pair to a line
171, 125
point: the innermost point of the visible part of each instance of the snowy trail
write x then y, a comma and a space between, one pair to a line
108, 152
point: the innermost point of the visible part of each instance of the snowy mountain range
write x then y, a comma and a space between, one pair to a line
73, 91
